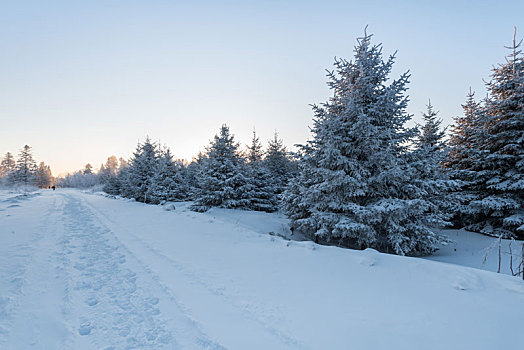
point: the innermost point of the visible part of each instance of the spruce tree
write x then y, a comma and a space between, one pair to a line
168, 182
26, 169
7, 166
262, 194
432, 177
192, 175
254, 151
278, 163
502, 203
431, 136
465, 158
135, 182
467, 136
222, 179
355, 185
102, 173
107, 171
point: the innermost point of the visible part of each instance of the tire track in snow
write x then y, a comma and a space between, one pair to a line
117, 308
193, 279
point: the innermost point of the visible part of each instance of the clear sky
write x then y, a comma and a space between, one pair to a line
82, 80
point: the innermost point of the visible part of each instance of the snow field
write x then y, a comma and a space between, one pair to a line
84, 271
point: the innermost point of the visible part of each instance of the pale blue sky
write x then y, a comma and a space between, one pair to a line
82, 80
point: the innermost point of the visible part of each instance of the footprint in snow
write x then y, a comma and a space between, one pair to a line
85, 328
91, 301
467, 281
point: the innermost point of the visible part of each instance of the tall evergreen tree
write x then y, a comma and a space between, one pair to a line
262, 194
254, 151
355, 185
192, 175
7, 166
222, 179
431, 135
110, 176
107, 171
502, 203
432, 177
278, 163
168, 182
465, 159
136, 180
102, 171
26, 170
467, 136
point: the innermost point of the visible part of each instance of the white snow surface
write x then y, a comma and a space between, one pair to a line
82, 271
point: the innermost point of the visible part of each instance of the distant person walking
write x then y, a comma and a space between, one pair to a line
53, 187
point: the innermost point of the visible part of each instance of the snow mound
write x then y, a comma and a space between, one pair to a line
370, 257
467, 280
169, 206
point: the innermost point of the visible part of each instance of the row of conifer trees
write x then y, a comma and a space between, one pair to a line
24, 171
364, 179
223, 176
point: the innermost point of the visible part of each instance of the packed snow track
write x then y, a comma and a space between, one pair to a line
81, 271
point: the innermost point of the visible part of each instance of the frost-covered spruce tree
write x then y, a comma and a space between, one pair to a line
431, 136
105, 172
502, 204
109, 176
356, 186
432, 177
278, 163
222, 179
119, 183
26, 169
465, 158
136, 180
192, 175
262, 194
168, 183
7, 166
467, 136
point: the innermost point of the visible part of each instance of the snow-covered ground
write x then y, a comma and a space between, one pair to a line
479, 251
81, 271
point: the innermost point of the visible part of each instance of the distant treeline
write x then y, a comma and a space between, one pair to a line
222, 176
24, 171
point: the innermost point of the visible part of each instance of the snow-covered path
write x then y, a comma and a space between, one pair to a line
75, 289
80, 271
